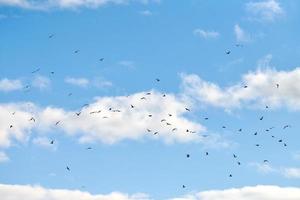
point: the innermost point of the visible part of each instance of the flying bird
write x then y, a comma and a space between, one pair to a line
227, 52
68, 168
38, 69
101, 59
261, 118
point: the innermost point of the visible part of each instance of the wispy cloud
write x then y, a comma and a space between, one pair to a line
241, 35
41, 82
146, 12
3, 157
206, 34
127, 63
7, 85
267, 10
68, 4
81, 82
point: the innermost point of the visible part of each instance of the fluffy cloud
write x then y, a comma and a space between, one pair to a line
241, 35
247, 193
261, 90
107, 119
66, 4
264, 10
206, 34
7, 85
28, 192
15, 192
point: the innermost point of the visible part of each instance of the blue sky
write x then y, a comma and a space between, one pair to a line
184, 44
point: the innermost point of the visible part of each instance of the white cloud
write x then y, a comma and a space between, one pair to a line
258, 192
264, 168
41, 82
265, 192
7, 85
241, 35
3, 157
206, 34
291, 172
261, 90
146, 12
127, 63
67, 4
265, 10
107, 126
15, 192
81, 82
45, 142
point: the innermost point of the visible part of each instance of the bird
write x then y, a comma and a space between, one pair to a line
267, 107
174, 129
76, 51
257, 145
68, 168
57, 123
163, 95
148, 93
230, 175
78, 113
148, 130
101, 59
255, 133
223, 126
286, 126
168, 124
52, 142
170, 115
206, 153
187, 155
155, 133
280, 140
149, 115
245, 86
132, 106
234, 156
157, 79
89, 148
261, 118
240, 130
187, 109
163, 120
277, 85
70, 94
143, 98
265, 161
227, 52
32, 119
10, 126
38, 69
51, 36
183, 186
206, 118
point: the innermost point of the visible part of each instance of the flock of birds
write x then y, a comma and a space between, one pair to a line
173, 129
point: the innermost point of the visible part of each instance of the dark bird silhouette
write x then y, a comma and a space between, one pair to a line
245, 86
255, 133
76, 51
187, 109
230, 175
183, 186
101, 59
239, 163
277, 85
163, 120
132, 106
206, 118
286, 126
10, 126
265, 161
261, 118
70, 94
57, 123
170, 115
149, 115
143, 98
240, 130
174, 129
155, 133
279, 140
164, 95
148, 130
168, 124
206, 153
157, 79
267, 107
234, 156
187, 155
89, 148
38, 69
78, 113
148, 93
32, 119
52, 142
227, 52
51, 36
257, 145
68, 168
223, 126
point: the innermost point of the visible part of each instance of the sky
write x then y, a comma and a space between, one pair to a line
149, 99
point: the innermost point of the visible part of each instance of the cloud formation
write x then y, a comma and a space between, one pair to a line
267, 10
107, 119
262, 89
206, 34
241, 35
7, 85
67, 4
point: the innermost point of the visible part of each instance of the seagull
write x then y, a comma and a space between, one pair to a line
239, 163
89, 148
223, 126
245, 86
51, 36
206, 118
101, 59
230, 175
227, 52
52, 142
143, 98
234, 156
132, 106
187, 109
187, 155
57, 123
255, 133
148, 130
240, 130
183, 186
163, 120
155, 133
76, 51
68, 168
10, 126
157, 79
206, 153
